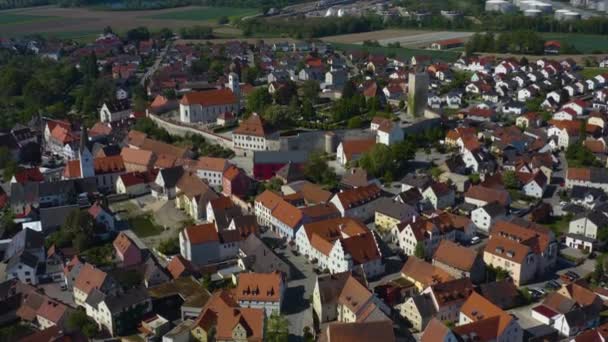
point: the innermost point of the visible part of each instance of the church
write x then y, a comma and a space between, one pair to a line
206, 106
106, 170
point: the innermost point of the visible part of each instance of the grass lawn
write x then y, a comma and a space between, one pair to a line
592, 72
206, 13
79, 36
401, 52
144, 226
17, 18
585, 43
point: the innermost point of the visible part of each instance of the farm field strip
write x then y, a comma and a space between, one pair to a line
205, 13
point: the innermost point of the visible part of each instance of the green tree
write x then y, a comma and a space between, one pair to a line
509, 179
277, 328
419, 251
79, 321
258, 99
310, 90
169, 246
349, 90
285, 93
354, 122
276, 115
317, 171
377, 160
223, 20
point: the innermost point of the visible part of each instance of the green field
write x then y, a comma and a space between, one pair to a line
206, 13
592, 72
402, 52
585, 43
16, 18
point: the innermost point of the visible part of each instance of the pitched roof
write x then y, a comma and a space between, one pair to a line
123, 243
269, 199
489, 195
351, 198
454, 255
435, 331
254, 125
259, 287
137, 157
359, 332
29, 175
201, 233
212, 164
90, 278
215, 97
178, 266
489, 321
353, 147
288, 214
423, 272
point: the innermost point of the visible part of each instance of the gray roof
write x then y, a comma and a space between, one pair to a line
26, 239
172, 175
55, 217
417, 181
260, 258
494, 209
22, 258
580, 192
268, 157
424, 304
392, 208
595, 216
129, 298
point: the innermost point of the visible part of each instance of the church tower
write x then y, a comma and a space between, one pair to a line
85, 157
233, 84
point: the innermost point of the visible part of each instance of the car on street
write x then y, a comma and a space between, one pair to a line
553, 285
475, 240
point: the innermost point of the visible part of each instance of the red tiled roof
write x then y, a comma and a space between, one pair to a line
216, 97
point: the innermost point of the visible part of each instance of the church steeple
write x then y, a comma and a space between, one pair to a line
86, 158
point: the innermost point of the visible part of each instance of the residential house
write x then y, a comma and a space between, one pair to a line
352, 149
436, 331
203, 244
459, 261
256, 256
422, 274
357, 203
136, 184
502, 293
226, 321
427, 232
126, 250
358, 332
571, 309
525, 249
211, 169
388, 132
479, 195
115, 110
136, 160
340, 245
118, 313
192, 195
486, 216
389, 213
486, 321
235, 182
91, 279
439, 195
261, 291
344, 298
591, 177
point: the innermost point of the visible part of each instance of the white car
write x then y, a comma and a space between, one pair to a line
475, 240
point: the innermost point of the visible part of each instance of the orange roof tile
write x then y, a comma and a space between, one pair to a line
202, 233
423, 272
479, 309
254, 125
89, 278
215, 97
454, 255
264, 287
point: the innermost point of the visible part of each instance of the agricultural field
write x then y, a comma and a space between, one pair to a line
80, 22
592, 72
206, 14
9, 18
406, 38
402, 52
359, 38
585, 43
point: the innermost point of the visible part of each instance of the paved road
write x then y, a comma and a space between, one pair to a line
297, 307
157, 62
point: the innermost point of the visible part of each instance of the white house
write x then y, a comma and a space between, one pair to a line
484, 217
117, 110
253, 134
339, 245
358, 202
439, 195
261, 291
389, 132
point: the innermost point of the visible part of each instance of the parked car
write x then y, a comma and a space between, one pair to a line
553, 285
475, 240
